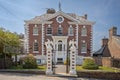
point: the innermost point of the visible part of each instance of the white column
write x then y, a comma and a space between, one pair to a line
26, 38
49, 62
73, 60
91, 41
77, 38
42, 39
49, 70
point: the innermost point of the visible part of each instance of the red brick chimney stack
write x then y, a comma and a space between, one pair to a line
104, 41
112, 32
85, 16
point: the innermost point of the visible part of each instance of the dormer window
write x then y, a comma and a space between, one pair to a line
35, 30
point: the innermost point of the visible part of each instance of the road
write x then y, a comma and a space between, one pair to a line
20, 76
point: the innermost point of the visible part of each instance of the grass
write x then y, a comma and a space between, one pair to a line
101, 68
19, 67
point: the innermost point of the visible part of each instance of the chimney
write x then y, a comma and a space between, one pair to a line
112, 32
50, 11
85, 16
104, 41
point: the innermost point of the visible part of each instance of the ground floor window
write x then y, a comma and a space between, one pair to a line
38, 61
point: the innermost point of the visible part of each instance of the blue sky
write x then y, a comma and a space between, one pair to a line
105, 13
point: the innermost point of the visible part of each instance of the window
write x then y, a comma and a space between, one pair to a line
59, 45
59, 30
70, 31
35, 45
35, 30
38, 61
84, 31
49, 30
83, 47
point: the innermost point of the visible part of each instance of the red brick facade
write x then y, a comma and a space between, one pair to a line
65, 26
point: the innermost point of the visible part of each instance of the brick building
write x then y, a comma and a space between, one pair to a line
60, 27
110, 47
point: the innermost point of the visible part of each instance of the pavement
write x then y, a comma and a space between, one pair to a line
21, 76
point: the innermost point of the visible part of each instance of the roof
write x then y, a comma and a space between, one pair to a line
116, 39
100, 51
72, 16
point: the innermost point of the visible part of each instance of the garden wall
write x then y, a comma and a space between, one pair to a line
103, 61
99, 75
6, 64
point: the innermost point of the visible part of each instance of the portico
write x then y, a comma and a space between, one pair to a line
60, 48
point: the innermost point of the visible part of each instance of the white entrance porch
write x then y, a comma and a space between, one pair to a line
60, 48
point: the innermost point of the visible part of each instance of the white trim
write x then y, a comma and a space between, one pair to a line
38, 22
77, 38
58, 19
42, 39
26, 44
35, 52
82, 23
63, 14
91, 41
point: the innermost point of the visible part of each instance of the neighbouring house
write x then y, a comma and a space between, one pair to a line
60, 27
109, 53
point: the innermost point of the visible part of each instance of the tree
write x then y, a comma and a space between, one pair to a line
9, 43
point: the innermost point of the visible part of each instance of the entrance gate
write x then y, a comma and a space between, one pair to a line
51, 65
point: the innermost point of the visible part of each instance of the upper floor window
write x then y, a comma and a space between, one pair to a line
70, 31
35, 30
35, 46
84, 47
84, 31
49, 30
59, 30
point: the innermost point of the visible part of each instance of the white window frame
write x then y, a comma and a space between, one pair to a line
84, 31
83, 42
70, 31
60, 28
34, 51
34, 29
49, 26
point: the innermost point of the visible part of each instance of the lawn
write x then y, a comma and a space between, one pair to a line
101, 68
19, 67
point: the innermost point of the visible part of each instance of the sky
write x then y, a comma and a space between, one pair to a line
106, 13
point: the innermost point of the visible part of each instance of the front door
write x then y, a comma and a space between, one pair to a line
60, 48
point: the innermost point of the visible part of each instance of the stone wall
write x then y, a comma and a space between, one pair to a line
103, 61
99, 75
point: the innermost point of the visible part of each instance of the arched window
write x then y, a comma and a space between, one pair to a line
59, 30
35, 30
70, 31
35, 46
49, 30
84, 31
84, 47
59, 45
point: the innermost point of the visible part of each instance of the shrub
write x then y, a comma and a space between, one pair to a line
29, 62
89, 64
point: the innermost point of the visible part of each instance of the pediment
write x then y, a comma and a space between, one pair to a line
60, 13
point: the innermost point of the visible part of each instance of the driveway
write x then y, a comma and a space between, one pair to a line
20, 76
